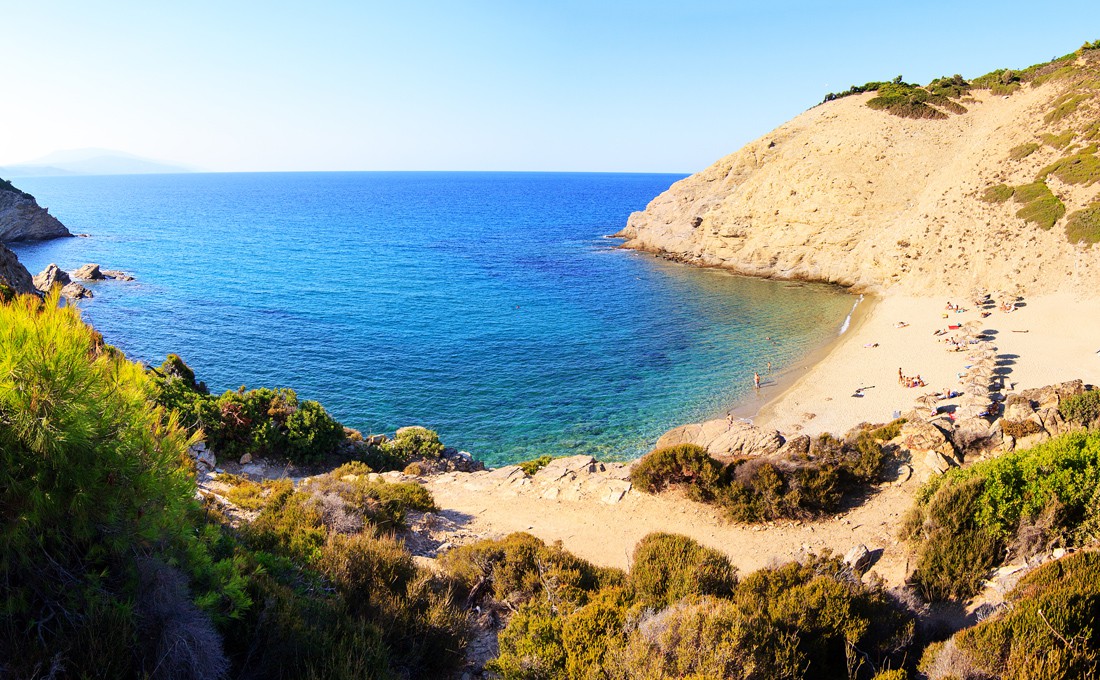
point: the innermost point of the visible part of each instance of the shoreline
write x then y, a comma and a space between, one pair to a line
788, 380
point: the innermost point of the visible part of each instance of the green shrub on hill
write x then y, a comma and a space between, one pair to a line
669, 567
1083, 409
1082, 167
1083, 226
1058, 141
260, 422
1039, 205
1025, 500
1022, 151
530, 467
1065, 106
998, 193
758, 489
907, 100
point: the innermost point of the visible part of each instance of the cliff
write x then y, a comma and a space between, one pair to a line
22, 219
14, 274
992, 187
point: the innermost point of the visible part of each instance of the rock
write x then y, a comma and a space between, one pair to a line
14, 274
207, 458
75, 291
938, 463
569, 467
616, 490
1017, 408
22, 219
858, 558
917, 436
376, 440
89, 272
1058, 553
722, 438
905, 472
117, 275
246, 459
795, 447
49, 277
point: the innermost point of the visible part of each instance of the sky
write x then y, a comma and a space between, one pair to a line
585, 85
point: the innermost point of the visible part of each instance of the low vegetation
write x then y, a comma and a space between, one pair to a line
681, 612
1082, 167
1023, 502
1083, 226
800, 483
1022, 151
1039, 205
532, 466
998, 193
1046, 630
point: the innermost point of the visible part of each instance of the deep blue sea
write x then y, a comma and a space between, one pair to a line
487, 306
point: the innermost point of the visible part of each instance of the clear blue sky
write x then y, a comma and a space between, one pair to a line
472, 84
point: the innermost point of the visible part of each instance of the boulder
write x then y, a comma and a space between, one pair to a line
1017, 408
938, 463
89, 272
117, 275
858, 558
918, 436
75, 291
51, 276
246, 459
795, 447
725, 439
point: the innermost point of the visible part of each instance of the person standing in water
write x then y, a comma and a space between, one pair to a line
756, 380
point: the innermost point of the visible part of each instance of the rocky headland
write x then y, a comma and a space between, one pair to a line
22, 219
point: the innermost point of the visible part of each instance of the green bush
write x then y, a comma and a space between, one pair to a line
1040, 206
311, 432
1083, 408
907, 100
998, 193
684, 464
520, 567
1059, 141
531, 645
92, 476
1065, 106
1022, 151
961, 521
1083, 226
669, 567
1082, 167
530, 467
1049, 628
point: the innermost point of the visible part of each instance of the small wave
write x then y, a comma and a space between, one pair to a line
848, 319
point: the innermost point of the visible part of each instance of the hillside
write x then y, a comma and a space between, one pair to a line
992, 185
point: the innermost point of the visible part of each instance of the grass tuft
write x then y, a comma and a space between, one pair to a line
1083, 226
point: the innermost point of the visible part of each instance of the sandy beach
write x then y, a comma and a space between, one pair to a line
1048, 339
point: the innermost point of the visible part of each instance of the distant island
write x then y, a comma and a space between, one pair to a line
90, 162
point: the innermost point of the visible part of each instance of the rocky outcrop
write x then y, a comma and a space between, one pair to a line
22, 219
75, 291
89, 272
49, 277
723, 438
855, 196
14, 274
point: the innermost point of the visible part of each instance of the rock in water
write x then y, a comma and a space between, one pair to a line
75, 291
49, 277
22, 219
89, 272
14, 274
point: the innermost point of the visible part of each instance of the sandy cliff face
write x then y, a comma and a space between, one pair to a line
851, 195
22, 219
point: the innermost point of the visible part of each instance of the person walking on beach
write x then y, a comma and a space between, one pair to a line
756, 380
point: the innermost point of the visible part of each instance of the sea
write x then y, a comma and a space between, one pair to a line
493, 308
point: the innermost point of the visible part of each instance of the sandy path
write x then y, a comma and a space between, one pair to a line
607, 533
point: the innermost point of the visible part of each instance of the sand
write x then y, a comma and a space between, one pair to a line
1060, 343
1048, 340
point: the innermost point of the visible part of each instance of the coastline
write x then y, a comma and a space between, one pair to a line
757, 406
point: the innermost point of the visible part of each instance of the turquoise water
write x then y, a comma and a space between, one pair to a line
487, 306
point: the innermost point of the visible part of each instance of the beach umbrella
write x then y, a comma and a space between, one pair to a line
975, 400
970, 411
988, 360
929, 400
978, 356
986, 346
979, 372
973, 323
